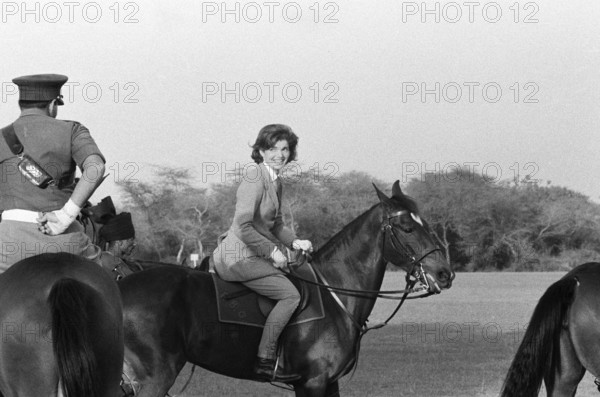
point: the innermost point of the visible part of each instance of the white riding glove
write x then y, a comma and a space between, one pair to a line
56, 222
279, 260
304, 245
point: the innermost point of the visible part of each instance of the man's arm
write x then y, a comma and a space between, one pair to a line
56, 222
92, 173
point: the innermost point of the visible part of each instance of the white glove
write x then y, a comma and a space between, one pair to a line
304, 245
279, 260
56, 222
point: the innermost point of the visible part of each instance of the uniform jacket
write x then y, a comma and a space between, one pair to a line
243, 252
57, 146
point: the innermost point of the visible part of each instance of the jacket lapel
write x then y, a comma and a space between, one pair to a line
270, 186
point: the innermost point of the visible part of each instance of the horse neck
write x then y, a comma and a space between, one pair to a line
353, 259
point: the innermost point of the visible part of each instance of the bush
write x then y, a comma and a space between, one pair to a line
572, 258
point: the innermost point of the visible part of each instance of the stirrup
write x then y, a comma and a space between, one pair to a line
278, 359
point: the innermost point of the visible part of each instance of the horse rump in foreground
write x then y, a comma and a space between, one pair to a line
171, 314
562, 340
62, 321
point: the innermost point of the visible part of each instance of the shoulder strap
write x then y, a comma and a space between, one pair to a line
11, 140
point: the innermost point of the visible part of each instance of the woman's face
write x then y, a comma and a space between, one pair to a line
277, 156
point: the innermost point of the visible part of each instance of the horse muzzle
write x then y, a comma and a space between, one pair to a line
427, 281
435, 285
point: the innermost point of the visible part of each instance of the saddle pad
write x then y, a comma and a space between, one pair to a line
237, 304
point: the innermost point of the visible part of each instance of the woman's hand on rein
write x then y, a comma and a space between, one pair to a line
302, 245
279, 260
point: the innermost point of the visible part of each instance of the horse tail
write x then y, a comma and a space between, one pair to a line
76, 359
539, 352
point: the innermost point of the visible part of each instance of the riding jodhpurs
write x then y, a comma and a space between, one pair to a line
279, 288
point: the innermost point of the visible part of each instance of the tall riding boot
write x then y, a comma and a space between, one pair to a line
265, 371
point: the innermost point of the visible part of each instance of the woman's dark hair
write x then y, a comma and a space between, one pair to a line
269, 135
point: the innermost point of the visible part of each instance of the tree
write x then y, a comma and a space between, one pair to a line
500, 224
318, 208
221, 208
568, 220
454, 206
170, 212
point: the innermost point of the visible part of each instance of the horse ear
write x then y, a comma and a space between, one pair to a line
382, 197
396, 191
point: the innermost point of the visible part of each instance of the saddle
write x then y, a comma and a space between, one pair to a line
238, 304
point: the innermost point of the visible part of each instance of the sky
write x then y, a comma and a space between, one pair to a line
391, 88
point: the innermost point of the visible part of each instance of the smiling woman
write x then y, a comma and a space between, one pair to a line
249, 251
275, 146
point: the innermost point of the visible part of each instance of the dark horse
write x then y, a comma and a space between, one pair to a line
562, 340
61, 318
171, 315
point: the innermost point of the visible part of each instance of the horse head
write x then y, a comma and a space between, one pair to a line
408, 242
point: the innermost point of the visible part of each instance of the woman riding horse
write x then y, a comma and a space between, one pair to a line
248, 251
171, 313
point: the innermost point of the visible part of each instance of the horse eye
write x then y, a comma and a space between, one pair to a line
406, 224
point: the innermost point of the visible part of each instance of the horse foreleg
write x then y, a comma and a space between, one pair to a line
569, 371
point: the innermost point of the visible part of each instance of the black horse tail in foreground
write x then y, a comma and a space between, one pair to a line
62, 322
562, 339
73, 348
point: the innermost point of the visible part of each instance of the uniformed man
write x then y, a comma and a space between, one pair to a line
117, 236
40, 217
117, 242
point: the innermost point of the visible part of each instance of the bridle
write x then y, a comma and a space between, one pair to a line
416, 274
417, 270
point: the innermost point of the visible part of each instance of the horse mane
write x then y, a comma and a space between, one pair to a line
343, 237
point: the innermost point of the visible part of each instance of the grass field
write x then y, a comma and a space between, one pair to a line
459, 343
